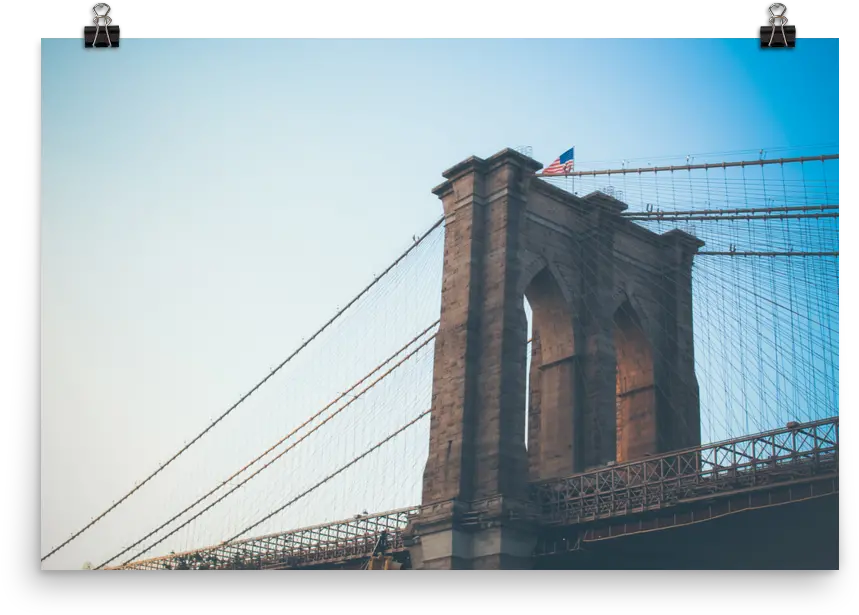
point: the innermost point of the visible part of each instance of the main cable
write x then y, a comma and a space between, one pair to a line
286, 450
289, 435
250, 392
310, 489
330, 476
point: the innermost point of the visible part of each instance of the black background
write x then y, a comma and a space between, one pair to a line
742, 16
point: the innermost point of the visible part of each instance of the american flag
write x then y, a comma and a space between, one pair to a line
562, 165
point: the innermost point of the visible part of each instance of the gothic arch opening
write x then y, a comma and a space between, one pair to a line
635, 389
529, 351
552, 380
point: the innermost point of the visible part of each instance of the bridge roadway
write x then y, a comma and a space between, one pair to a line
755, 474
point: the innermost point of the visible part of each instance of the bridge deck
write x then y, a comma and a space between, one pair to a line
773, 457
794, 455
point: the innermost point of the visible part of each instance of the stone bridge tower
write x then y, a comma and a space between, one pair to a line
612, 373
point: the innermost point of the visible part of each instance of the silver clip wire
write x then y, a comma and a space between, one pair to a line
107, 21
781, 18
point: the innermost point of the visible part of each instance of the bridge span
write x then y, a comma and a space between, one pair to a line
795, 467
568, 351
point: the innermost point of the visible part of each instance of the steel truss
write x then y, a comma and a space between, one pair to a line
774, 459
572, 538
330, 542
781, 456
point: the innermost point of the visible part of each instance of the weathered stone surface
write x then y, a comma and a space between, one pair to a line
612, 374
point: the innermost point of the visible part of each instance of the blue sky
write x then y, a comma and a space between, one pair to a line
208, 203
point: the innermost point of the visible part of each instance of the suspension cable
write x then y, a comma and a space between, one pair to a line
684, 167
293, 432
196, 438
289, 448
317, 485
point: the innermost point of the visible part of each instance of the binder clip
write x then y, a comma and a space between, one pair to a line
779, 32
103, 33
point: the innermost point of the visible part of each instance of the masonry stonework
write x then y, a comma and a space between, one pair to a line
612, 368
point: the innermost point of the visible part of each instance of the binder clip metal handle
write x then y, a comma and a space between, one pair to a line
109, 34
788, 34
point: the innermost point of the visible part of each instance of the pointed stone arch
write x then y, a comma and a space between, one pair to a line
554, 378
627, 292
532, 264
553, 316
537, 264
637, 429
509, 235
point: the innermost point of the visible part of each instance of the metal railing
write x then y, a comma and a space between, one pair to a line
329, 542
795, 452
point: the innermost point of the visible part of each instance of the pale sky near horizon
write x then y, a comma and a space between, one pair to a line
207, 204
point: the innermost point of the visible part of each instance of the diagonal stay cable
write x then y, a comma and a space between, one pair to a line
287, 449
226, 543
250, 392
342, 468
293, 432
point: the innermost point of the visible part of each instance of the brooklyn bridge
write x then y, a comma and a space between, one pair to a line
629, 367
